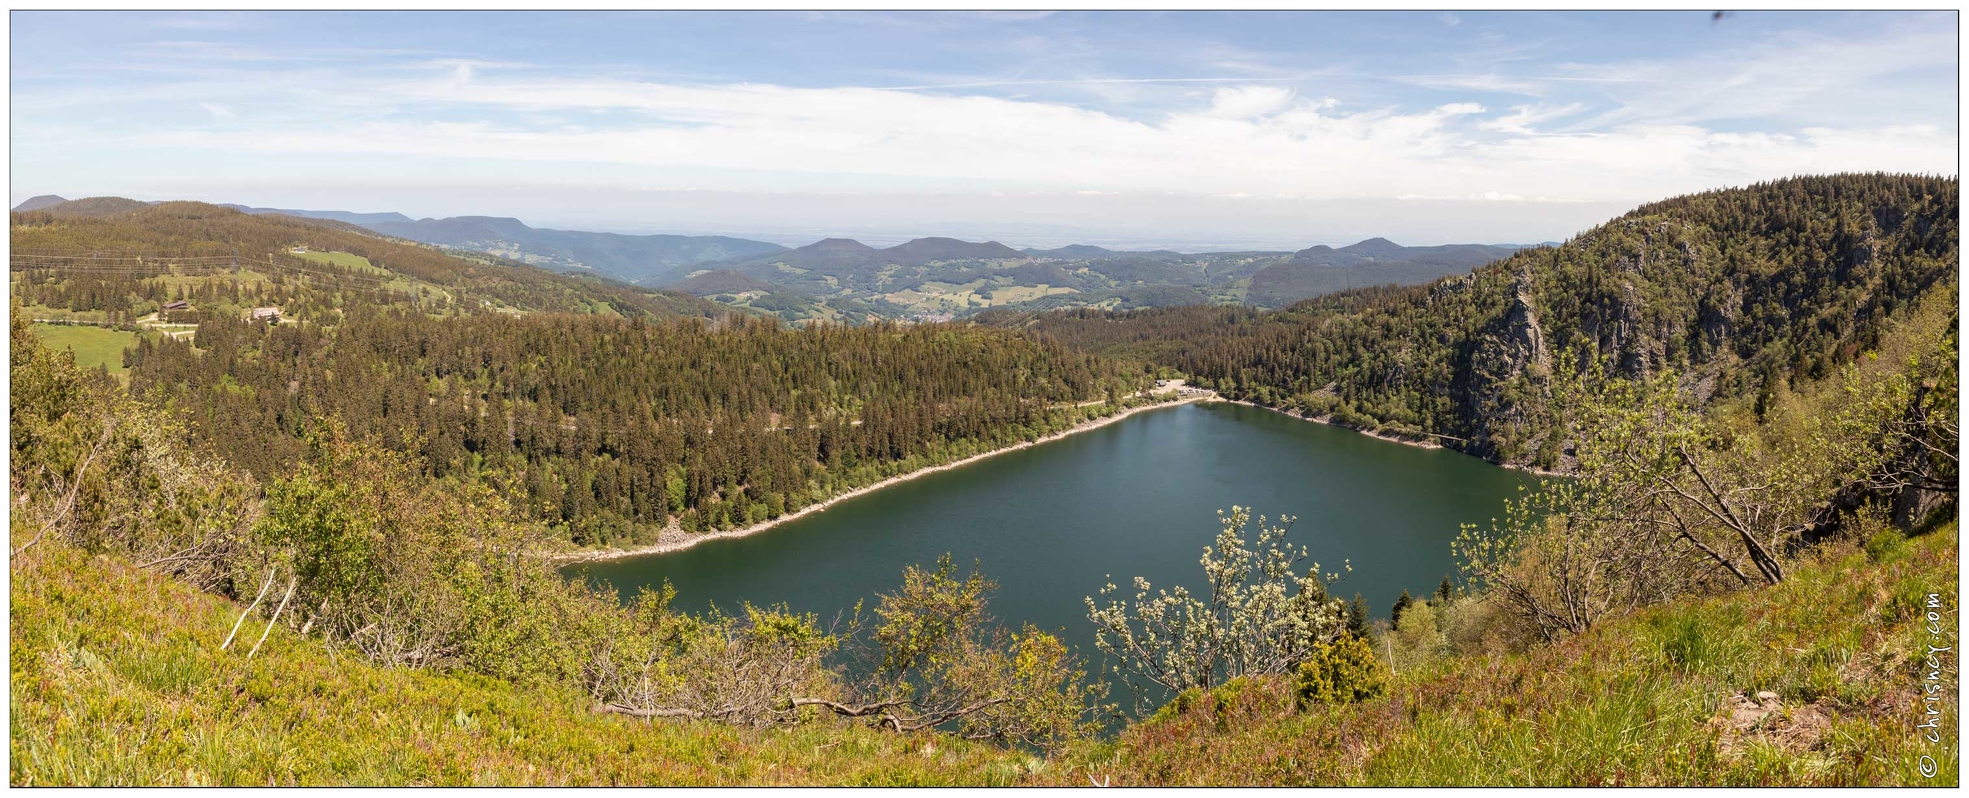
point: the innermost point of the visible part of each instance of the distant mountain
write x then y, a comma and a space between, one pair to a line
1147, 270
455, 230
827, 256
1091, 252
1377, 248
838, 245
197, 229
719, 281
646, 259
929, 250
93, 206
1319, 270
361, 219
37, 203
834, 254
830, 263
916, 276
1070, 252
1458, 256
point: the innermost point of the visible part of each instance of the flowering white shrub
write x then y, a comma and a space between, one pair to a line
1258, 617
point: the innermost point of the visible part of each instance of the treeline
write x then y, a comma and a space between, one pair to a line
608, 428
124, 297
1740, 290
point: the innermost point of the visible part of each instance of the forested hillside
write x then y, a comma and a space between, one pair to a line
120, 260
609, 427
1738, 290
608, 411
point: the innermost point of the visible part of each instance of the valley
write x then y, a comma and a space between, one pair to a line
450, 456
935, 279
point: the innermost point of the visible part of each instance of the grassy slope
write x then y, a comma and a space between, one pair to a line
1634, 701
117, 679
93, 346
342, 259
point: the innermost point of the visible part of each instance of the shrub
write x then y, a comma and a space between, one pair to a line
1478, 623
1258, 616
99, 470
1241, 703
418, 572
929, 658
1416, 639
1341, 672
1876, 533
1885, 545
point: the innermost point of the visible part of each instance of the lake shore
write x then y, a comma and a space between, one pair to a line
675, 539
1419, 443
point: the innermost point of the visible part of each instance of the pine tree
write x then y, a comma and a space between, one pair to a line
1395, 615
1357, 624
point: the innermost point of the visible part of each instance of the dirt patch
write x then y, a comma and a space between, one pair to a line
1791, 728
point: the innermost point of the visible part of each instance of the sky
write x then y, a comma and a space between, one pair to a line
1186, 130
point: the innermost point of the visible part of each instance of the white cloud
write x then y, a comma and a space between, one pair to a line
1241, 142
1248, 140
1796, 75
1523, 117
1245, 102
1654, 138
1487, 82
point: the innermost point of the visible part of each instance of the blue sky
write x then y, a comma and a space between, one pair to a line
1150, 129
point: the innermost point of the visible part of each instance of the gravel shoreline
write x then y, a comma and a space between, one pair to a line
675, 539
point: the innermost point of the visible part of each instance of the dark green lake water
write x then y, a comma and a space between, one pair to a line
1052, 522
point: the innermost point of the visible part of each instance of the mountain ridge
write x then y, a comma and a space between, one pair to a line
38, 202
185, 229
1319, 270
647, 259
926, 276
348, 217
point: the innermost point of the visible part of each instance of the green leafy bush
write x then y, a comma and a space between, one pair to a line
1885, 545
1341, 672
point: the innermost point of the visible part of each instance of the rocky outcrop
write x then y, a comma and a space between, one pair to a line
1506, 385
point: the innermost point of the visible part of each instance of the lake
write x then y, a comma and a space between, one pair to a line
1053, 523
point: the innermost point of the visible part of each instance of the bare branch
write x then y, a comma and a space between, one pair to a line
249, 608
291, 584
